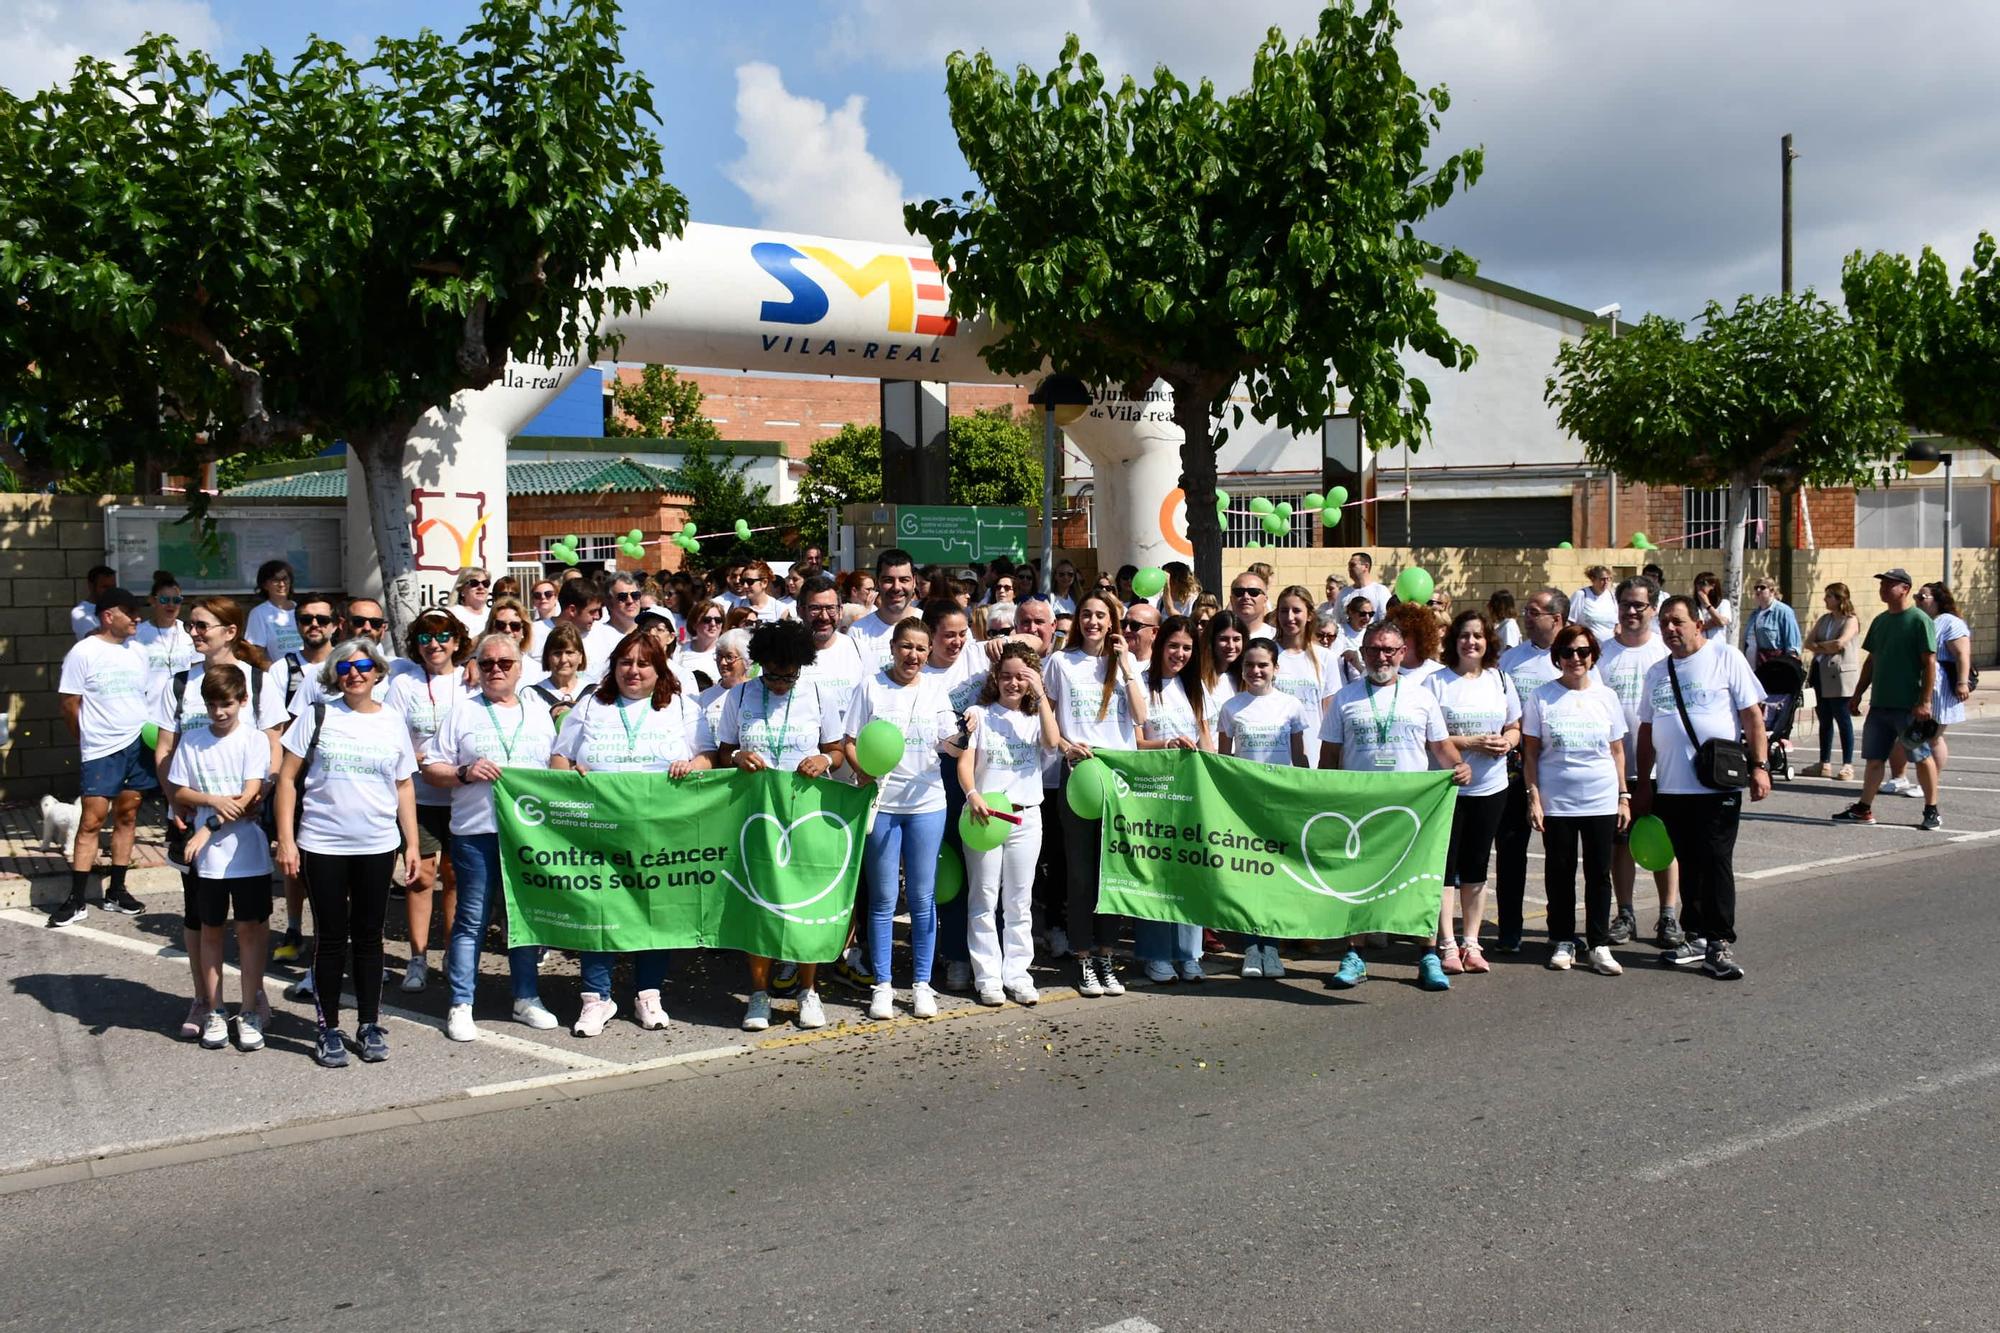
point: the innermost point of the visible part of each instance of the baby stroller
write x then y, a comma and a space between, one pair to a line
1784, 681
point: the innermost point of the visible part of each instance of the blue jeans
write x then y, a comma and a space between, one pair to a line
951, 916
475, 860
911, 842
649, 969
1165, 942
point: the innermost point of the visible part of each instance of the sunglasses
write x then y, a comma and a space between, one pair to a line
1133, 626
427, 638
474, 583
1575, 652
1246, 592
1381, 650
627, 596
368, 622
168, 601
544, 594
709, 620
204, 625
1635, 606
510, 626
314, 622
784, 677
496, 663
352, 664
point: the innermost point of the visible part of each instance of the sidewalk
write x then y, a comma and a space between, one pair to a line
34, 876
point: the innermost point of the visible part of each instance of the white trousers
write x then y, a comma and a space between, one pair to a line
1003, 948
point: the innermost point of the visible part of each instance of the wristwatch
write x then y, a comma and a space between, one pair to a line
1759, 764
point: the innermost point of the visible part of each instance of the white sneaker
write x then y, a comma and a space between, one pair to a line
533, 1013
811, 1014
458, 1024
1563, 956
1087, 984
923, 1000
597, 1011
417, 974
1253, 963
1159, 973
957, 975
647, 1009
1023, 992
1602, 963
1058, 941
991, 996
1107, 975
757, 1014
1274, 966
881, 1001
214, 1030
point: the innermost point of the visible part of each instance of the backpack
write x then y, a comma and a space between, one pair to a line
256, 695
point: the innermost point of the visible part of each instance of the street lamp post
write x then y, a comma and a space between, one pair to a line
1053, 392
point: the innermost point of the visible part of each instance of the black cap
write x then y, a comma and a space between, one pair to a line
118, 599
1896, 576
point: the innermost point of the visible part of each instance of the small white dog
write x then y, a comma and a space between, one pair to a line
59, 821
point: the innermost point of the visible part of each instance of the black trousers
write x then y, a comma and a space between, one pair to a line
1703, 828
350, 901
1088, 928
1510, 878
1561, 836
1052, 871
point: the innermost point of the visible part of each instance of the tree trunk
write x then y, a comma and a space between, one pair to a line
380, 453
1734, 522
1198, 484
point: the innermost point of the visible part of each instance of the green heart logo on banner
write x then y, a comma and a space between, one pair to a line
807, 837
1354, 849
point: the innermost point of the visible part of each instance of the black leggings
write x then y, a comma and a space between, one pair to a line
1089, 929
1560, 836
350, 900
1052, 872
1473, 824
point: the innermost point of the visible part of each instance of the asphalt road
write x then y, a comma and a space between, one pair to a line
1815, 1146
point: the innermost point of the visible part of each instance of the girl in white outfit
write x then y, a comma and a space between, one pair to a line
1013, 734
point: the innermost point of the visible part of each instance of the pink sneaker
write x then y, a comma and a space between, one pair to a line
597, 1011
197, 1015
1475, 961
1448, 959
648, 1010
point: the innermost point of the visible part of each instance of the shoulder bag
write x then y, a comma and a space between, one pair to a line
1721, 764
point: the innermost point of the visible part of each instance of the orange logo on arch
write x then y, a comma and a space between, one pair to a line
1171, 530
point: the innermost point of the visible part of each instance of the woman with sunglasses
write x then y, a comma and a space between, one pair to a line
478, 736
758, 596
704, 628
1573, 762
1063, 584
1482, 714
470, 592
165, 639
542, 601
506, 615
270, 625
638, 721
341, 831
437, 645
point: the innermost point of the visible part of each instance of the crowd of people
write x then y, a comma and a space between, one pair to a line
296, 746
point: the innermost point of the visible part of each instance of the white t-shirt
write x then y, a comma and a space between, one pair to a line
1573, 770
1350, 642
1421, 672
1170, 713
474, 621
1064, 606
1510, 633
774, 608
1530, 668
1376, 593
350, 791
1595, 611
1716, 684
167, 650
598, 646
477, 728
1075, 684
692, 660
1263, 631
631, 736
422, 700
1311, 683
871, 634
274, 630
838, 670
709, 701
783, 728
83, 620
220, 766
922, 711
963, 679
111, 679
1624, 671
1385, 730
1008, 754
1722, 630
184, 716
1480, 705
1260, 727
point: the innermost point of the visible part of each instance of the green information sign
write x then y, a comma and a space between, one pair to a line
956, 534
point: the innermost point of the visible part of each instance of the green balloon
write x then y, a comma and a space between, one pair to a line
150, 734
1314, 500
742, 529
688, 527
1222, 500
1640, 541
950, 874
1565, 546
569, 540
986, 837
1149, 581
1651, 847
1277, 524
1336, 497
1253, 545
1260, 505
1085, 792
694, 546
1283, 509
635, 535
879, 747
1329, 516
1414, 585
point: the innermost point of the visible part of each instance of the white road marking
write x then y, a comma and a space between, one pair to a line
1775, 871
1818, 1120
1132, 1325
583, 1075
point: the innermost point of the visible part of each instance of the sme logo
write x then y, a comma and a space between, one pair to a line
915, 290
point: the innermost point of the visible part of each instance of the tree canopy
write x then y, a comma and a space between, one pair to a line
1138, 234
720, 494
658, 405
843, 469
1942, 344
996, 459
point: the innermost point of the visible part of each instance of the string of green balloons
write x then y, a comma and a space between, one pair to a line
1276, 517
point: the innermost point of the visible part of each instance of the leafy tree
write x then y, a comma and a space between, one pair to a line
201, 260
843, 469
996, 459
1943, 345
1135, 235
658, 405
721, 493
1780, 389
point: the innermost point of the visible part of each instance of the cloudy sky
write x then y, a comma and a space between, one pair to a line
1632, 149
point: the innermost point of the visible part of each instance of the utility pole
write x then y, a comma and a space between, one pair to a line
1787, 485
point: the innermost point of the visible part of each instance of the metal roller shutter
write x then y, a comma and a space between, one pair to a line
1540, 521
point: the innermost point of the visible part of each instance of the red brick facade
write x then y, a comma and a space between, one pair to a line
533, 519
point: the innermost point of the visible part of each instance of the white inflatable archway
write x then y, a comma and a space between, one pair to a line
766, 301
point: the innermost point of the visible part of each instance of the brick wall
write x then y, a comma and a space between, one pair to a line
533, 519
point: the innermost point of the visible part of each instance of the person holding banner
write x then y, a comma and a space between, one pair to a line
1529, 667
1304, 671
639, 720
1265, 726
1376, 725
1573, 765
1180, 715
1012, 732
963, 675
1222, 644
562, 660
476, 738
438, 645
908, 827
1482, 714
774, 722
1099, 699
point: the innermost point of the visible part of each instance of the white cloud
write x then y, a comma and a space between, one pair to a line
40, 40
806, 167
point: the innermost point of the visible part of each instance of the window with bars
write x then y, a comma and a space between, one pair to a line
1244, 527
1705, 514
591, 549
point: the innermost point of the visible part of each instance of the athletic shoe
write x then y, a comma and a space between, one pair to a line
1846, 773
1475, 961
1562, 956
67, 913
1816, 771
811, 1013
882, 1001
1602, 963
214, 1030
1667, 932
1855, 814
1909, 787
290, 949
302, 989
1023, 992
1687, 953
757, 1014
1507, 944
531, 1012
1893, 786
1087, 984
784, 978
1721, 964
249, 1032
262, 1008
1353, 971
849, 971
197, 1018
1624, 926
1430, 973
923, 1000
1274, 966
957, 975
122, 902
374, 1042
418, 974
458, 1024
1107, 975
596, 1012
648, 1012
1191, 972
1159, 973
331, 1052
1253, 963
991, 996
1058, 941
1932, 821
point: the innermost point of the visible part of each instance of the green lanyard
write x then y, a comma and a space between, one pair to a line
1382, 724
785, 734
506, 742
632, 733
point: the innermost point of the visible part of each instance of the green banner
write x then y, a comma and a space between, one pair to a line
1293, 853
762, 862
